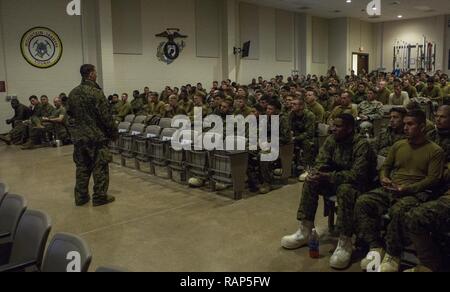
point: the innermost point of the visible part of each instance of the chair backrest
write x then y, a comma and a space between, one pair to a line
129, 119
140, 120
153, 131
137, 129
11, 210
31, 238
67, 253
124, 127
165, 123
167, 133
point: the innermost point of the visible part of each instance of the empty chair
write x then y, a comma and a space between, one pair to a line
157, 148
176, 157
29, 242
197, 163
116, 146
165, 123
127, 146
11, 210
142, 143
129, 119
63, 249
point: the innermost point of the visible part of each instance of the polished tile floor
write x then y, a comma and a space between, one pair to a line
158, 225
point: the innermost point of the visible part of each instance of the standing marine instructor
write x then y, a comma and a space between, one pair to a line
91, 126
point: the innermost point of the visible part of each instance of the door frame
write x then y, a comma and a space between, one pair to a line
360, 54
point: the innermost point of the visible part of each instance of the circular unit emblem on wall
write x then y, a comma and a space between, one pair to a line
41, 47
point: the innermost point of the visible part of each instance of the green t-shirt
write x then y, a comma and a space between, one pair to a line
414, 168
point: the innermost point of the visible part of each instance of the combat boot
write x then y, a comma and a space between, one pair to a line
28, 146
300, 238
103, 201
342, 256
6, 138
390, 264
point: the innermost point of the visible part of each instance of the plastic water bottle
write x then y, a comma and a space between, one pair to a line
314, 245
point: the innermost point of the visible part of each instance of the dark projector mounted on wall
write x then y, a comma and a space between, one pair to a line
244, 51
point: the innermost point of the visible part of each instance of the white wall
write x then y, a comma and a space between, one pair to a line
412, 31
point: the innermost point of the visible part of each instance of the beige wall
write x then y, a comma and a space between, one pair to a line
137, 71
23, 80
266, 65
361, 35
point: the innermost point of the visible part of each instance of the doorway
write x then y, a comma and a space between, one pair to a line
360, 63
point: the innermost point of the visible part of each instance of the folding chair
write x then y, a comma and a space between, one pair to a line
157, 152
143, 147
58, 256
129, 145
116, 147
177, 158
29, 242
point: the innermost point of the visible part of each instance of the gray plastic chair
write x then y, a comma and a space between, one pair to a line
11, 210
62, 244
165, 123
29, 242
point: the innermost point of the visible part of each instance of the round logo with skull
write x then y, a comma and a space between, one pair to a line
41, 47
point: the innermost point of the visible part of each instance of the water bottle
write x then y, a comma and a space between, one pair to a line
314, 245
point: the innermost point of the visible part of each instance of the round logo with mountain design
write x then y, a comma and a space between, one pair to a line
41, 47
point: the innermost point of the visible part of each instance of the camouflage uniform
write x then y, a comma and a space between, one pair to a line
429, 218
434, 94
303, 127
155, 108
359, 97
21, 113
122, 109
343, 110
318, 111
383, 96
372, 109
412, 91
137, 106
186, 105
352, 168
386, 139
91, 126
174, 112
262, 171
325, 102
420, 86
445, 93
245, 112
